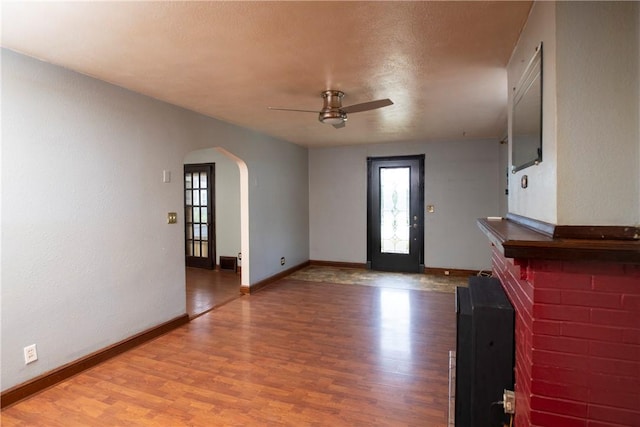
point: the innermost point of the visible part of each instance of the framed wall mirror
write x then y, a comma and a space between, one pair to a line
526, 117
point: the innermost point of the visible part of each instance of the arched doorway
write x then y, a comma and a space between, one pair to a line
228, 228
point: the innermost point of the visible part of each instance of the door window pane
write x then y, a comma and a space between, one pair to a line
187, 180
203, 197
196, 197
196, 231
196, 179
196, 214
196, 249
203, 215
203, 232
205, 249
203, 180
189, 247
394, 210
187, 197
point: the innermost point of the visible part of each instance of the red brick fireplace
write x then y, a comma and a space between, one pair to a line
577, 330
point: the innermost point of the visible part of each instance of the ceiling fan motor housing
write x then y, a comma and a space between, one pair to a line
331, 112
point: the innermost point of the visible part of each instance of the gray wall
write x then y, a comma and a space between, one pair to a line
590, 172
87, 256
462, 181
597, 108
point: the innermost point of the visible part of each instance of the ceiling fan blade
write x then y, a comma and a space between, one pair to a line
340, 125
366, 106
291, 109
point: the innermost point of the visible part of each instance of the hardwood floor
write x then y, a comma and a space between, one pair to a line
207, 289
296, 353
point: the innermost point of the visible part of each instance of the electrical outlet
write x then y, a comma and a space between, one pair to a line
30, 354
446, 272
239, 255
282, 261
509, 402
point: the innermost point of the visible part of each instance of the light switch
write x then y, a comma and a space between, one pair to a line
166, 176
430, 208
172, 218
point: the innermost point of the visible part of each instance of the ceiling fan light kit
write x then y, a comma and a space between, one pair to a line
331, 113
331, 118
334, 114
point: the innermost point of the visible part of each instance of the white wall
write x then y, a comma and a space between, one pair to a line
227, 199
591, 138
87, 256
461, 180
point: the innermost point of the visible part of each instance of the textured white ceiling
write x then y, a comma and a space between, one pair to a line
442, 63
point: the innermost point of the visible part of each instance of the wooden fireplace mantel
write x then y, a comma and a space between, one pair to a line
520, 237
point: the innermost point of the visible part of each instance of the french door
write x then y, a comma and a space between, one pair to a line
199, 204
395, 213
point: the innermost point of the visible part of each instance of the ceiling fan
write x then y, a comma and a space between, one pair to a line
334, 113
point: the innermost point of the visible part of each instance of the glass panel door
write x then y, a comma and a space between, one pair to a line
395, 217
199, 227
